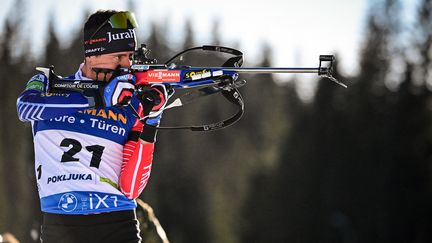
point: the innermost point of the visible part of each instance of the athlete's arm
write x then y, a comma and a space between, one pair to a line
138, 150
137, 162
35, 103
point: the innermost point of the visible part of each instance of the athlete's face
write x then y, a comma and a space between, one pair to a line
110, 61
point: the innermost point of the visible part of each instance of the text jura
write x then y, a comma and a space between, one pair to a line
120, 36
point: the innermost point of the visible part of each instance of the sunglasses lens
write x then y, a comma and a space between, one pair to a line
120, 20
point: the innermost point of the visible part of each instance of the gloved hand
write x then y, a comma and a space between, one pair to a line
119, 91
154, 101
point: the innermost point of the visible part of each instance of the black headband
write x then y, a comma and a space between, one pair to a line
108, 40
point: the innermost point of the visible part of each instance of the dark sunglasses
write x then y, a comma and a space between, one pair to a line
118, 21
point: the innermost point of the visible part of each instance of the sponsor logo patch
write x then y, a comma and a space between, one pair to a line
68, 202
193, 73
163, 76
35, 85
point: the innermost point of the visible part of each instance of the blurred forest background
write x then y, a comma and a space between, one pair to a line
351, 165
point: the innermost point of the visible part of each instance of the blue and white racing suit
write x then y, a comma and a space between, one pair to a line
81, 153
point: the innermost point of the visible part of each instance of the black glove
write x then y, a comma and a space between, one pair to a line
154, 100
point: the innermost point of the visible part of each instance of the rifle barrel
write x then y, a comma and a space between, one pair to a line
270, 70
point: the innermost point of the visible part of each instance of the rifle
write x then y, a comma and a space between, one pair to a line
202, 80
